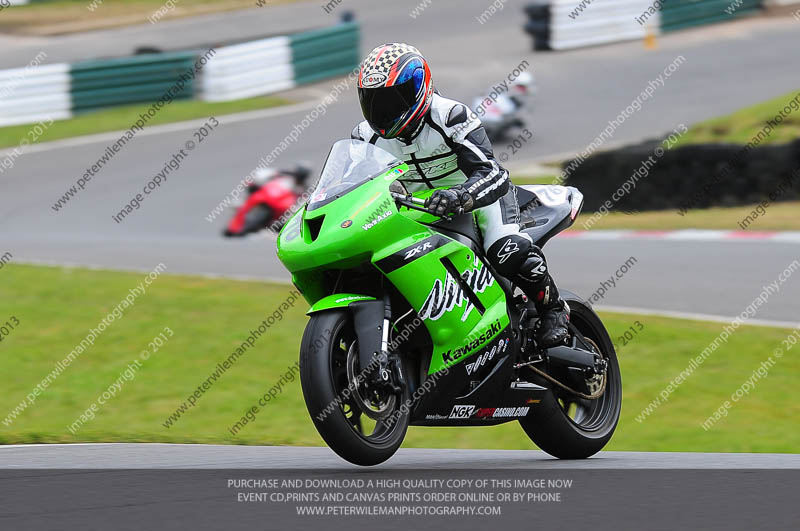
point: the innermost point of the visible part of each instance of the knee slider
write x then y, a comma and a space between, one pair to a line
508, 254
534, 268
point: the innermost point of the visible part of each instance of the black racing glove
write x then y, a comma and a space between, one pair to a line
446, 201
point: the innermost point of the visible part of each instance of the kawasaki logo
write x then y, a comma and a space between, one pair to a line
367, 226
453, 355
444, 296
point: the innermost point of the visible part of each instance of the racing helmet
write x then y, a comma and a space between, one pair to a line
301, 172
395, 90
263, 175
523, 84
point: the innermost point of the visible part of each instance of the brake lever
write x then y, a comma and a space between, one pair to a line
409, 201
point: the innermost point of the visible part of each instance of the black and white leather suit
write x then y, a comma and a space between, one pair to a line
451, 148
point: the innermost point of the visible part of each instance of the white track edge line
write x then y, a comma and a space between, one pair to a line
696, 316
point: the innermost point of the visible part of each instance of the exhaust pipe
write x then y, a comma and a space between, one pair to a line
572, 358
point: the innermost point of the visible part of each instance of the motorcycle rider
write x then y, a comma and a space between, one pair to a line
270, 195
509, 103
445, 145
521, 89
501, 111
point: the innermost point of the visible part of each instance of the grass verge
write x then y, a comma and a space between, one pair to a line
67, 16
539, 179
56, 307
741, 126
122, 118
777, 217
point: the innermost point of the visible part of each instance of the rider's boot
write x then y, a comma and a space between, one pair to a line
553, 325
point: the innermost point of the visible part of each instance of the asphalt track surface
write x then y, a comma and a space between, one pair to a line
189, 456
155, 486
579, 92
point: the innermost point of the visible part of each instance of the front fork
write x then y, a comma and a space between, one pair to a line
373, 343
390, 371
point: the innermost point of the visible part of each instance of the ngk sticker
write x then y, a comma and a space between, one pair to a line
462, 412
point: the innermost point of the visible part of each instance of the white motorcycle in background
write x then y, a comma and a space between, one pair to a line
505, 111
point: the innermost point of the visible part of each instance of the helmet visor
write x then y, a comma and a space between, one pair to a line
383, 107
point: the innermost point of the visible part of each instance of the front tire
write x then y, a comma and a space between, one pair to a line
257, 219
327, 341
568, 427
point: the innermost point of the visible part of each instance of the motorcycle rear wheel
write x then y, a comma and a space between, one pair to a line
328, 340
569, 427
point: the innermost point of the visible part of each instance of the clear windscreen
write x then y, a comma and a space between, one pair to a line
350, 164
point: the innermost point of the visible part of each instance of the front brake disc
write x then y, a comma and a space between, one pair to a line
376, 404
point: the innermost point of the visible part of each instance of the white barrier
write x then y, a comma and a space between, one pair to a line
249, 69
600, 21
265, 66
35, 93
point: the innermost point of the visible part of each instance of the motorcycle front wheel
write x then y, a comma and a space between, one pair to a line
257, 219
337, 403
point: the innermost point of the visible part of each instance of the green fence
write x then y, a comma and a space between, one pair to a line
240, 70
327, 52
678, 14
142, 78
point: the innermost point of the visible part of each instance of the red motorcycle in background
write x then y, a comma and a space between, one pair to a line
271, 195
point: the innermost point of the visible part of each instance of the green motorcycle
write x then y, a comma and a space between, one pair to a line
409, 324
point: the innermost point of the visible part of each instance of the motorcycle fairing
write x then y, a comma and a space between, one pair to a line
448, 284
462, 306
336, 301
486, 402
556, 209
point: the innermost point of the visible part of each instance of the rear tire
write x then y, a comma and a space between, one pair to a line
550, 426
323, 377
